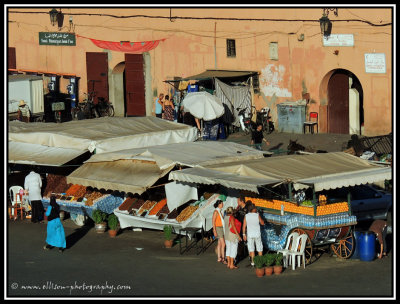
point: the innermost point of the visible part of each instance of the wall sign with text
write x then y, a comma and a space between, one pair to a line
60, 39
375, 63
338, 40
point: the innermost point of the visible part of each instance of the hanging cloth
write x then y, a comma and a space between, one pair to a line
125, 46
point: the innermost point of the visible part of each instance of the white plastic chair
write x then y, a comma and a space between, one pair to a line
16, 201
299, 252
291, 240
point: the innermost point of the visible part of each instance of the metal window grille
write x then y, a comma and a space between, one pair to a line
230, 48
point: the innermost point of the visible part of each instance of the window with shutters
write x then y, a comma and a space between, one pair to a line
230, 48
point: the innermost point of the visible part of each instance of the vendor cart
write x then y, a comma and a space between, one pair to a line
324, 224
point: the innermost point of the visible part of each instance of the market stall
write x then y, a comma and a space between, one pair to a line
141, 171
302, 206
102, 134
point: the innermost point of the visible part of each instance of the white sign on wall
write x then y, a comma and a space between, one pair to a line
375, 63
338, 40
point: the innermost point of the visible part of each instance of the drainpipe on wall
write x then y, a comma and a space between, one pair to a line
147, 84
215, 44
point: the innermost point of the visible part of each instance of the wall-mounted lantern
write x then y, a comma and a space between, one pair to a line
56, 16
53, 16
325, 23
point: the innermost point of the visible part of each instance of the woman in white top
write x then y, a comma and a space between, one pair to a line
251, 225
231, 238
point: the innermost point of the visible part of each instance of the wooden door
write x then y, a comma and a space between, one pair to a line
97, 74
338, 103
12, 60
134, 83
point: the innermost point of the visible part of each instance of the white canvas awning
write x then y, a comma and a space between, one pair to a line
123, 175
214, 177
322, 170
33, 154
135, 170
103, 134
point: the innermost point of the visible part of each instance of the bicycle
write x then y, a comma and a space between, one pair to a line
88, 107
104, 107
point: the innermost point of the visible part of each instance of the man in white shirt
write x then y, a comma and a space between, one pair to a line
33, 185
251, 225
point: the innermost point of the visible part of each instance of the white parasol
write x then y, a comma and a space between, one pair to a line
203, 105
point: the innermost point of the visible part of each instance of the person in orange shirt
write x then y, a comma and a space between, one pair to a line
218, 229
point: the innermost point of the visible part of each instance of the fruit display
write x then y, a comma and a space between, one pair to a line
332, 208
76, 191
293, 208
55, 184
92, 197
186, 213
127, 204
173, 214
155, 210
146, 207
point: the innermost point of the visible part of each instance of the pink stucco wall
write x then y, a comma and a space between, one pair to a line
192, 46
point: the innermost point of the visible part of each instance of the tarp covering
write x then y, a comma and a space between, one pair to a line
214, 177
122, 175
135, 170
209, 74
33, 154
188, 154
323, 170
103, 134
233, 98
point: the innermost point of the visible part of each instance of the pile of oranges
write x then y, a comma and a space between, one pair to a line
332, 208
293, 208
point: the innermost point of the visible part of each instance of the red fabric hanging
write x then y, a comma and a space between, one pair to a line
126, 46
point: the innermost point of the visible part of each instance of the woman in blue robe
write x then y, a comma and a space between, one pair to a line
55, 229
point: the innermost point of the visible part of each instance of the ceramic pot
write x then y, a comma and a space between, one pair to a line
168, 243
101, 227
269, 270
112, 233
278, 269
260, 272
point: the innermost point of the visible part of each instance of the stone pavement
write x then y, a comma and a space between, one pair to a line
135, 264
279, 141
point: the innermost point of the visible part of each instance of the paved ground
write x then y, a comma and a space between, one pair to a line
279, 141
135, 264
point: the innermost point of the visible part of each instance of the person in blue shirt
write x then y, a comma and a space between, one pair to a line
55, 229
159, 105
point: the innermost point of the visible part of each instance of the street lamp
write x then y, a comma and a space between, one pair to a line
53, 16
56, 16
324, 22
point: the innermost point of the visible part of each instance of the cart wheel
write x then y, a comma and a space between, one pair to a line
309, 248
344, 248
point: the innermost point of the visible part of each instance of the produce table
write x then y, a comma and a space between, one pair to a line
190, 233
275, 241
106, 203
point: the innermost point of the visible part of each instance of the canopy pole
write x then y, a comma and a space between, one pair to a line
290, 192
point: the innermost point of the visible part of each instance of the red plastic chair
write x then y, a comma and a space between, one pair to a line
311, 122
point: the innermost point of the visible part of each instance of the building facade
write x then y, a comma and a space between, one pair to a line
126, 54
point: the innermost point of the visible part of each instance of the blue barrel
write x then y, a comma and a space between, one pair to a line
367, 246
356, 244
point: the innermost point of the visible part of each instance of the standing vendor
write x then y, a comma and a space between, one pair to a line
24, 114
257, 137
379, 227
33, 185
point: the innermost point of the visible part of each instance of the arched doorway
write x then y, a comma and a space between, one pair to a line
345, 112
118, 89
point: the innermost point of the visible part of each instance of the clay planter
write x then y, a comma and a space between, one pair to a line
278, 269
100, 227
168, 243
112, 233
260, 272
269, 270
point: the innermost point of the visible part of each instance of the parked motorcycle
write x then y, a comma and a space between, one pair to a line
246, 123
263, 117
